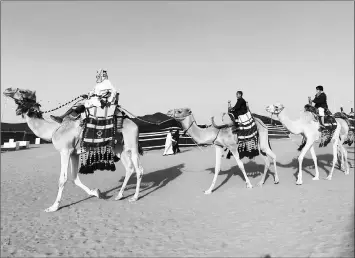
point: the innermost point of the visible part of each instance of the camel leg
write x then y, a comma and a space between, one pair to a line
217, 168
335, 153
139, 170
74, 169
300, 160
267, 165
314, 157
127, 163
64, 157
241, 167
272, 155
345, 162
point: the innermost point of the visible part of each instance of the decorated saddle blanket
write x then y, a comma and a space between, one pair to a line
350, 121
329, 120
98, 139
246, 133
246, 127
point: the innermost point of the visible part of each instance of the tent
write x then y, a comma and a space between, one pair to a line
151, 135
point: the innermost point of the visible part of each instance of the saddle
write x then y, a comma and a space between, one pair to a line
330, 124
100, 126
245, 123
221, 121
329, 119
246, 132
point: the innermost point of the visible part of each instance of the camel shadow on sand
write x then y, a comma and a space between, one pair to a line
252, 169
150, 183
323, 161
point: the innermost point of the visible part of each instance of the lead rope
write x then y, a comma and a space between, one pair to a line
54, 109
145, 120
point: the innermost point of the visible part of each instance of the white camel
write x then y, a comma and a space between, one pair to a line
308, 127
224, 138
66, 139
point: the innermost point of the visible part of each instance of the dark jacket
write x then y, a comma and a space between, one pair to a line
320, 101
176, 136
240, 108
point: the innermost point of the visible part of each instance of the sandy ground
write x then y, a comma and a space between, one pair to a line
173, 217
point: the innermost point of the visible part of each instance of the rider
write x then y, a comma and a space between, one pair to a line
240, 108
320, 101
103, 92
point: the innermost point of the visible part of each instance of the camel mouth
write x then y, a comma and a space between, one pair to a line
170, 113
9, 92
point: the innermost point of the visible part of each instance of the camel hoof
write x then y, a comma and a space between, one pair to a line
299, 183
52, 208
260, 184
96, 192
208, 192
119, 197
133, 199
315, 178
347, 172
328, 178
277, 182
249, 185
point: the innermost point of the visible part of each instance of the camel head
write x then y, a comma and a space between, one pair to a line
25, 100
179, 113
275, 109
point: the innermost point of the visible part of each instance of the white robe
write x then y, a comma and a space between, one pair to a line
101, 88
168, 145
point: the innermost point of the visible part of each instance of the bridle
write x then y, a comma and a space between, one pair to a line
194, 121
178, 119
29, 104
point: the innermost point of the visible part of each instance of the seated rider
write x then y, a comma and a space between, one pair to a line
320, 101
103, 92
240, 108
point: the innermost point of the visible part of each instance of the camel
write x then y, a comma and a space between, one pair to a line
345, 135
223, 138
309, 129
65, 138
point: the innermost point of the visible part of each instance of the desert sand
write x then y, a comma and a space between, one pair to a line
173, 217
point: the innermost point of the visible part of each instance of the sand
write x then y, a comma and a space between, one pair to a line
173, 217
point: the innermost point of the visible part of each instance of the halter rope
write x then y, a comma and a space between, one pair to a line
54, 109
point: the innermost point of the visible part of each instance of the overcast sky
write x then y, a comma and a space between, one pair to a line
163, 55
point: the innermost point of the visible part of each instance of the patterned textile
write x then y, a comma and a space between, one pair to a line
350, 121
330, 125
248, 135
98, 140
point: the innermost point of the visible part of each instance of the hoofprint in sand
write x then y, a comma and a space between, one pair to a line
174, 217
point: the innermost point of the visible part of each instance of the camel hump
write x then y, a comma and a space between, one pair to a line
221, 120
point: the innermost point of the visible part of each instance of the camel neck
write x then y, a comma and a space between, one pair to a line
42, 128
291, 125
200, 135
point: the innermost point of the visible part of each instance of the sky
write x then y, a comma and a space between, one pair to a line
171, 54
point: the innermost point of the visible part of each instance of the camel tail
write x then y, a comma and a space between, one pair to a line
268, 140
140, 149
304, 141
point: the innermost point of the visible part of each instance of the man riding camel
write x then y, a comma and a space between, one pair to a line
240, 108
103, 93
320, 101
